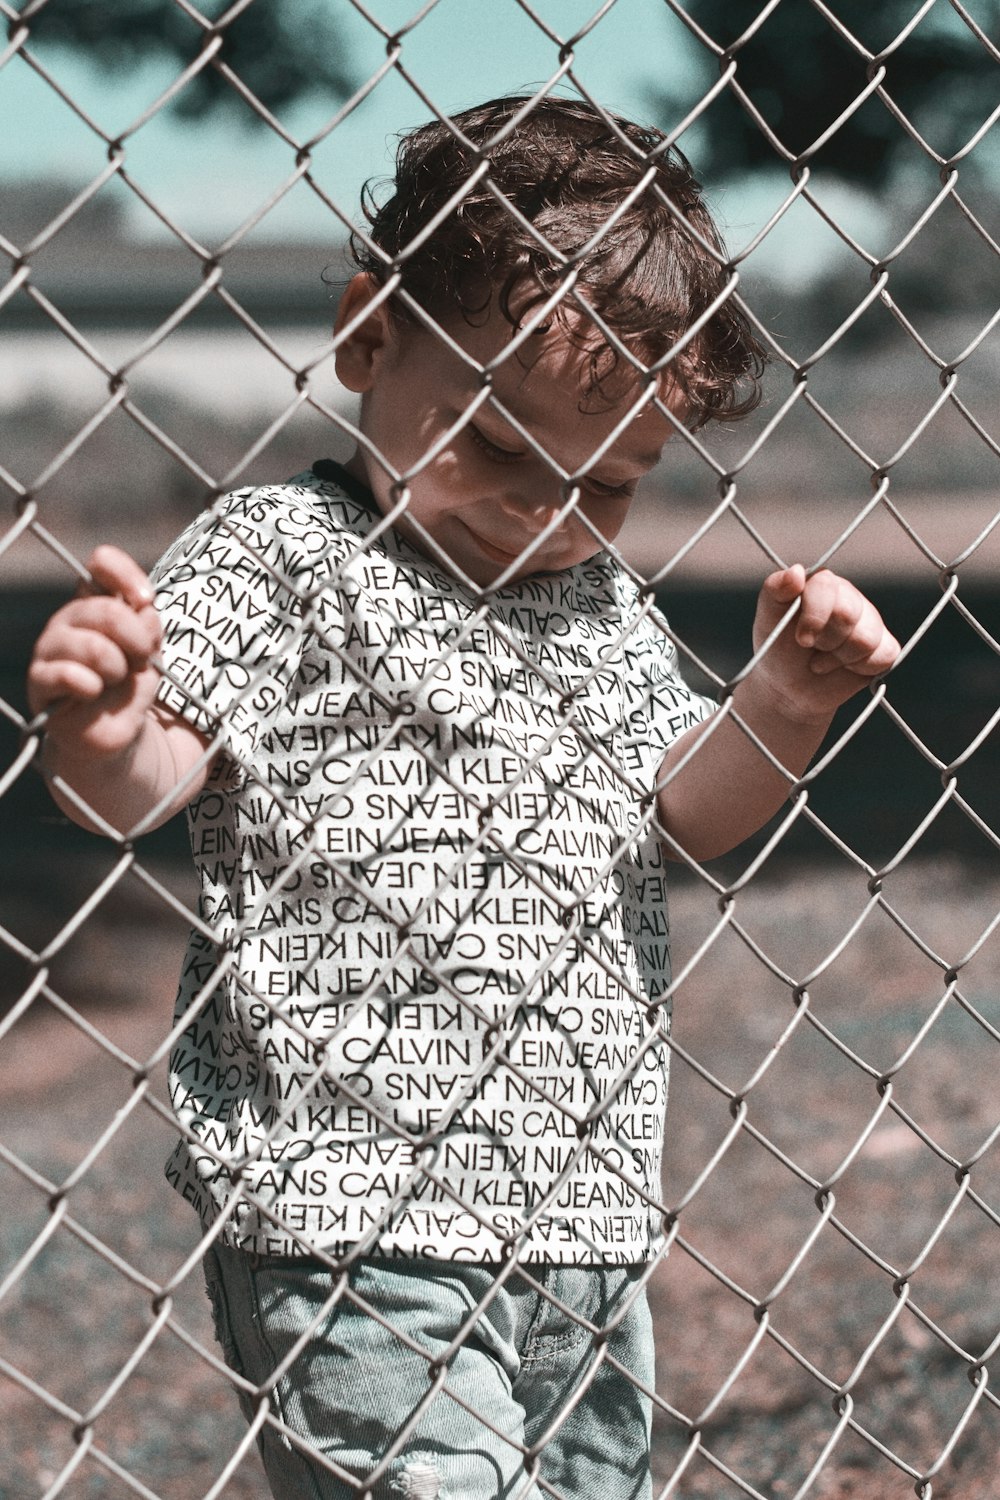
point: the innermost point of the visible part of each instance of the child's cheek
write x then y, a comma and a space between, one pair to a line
454, 486
608, 516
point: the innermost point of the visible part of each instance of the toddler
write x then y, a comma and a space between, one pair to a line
436, 753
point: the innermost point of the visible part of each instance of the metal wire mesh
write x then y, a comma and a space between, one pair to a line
822, 1268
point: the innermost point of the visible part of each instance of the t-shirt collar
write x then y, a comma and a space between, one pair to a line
356, 489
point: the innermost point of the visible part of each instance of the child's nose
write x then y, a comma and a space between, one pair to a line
534, 504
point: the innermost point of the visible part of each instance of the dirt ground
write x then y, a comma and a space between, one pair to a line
826, 1303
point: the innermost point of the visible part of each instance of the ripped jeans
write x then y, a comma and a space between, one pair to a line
527, 1406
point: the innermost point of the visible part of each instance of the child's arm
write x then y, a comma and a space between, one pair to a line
106, 736
833, 647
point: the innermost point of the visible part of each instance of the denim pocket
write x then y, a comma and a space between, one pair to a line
221, 1319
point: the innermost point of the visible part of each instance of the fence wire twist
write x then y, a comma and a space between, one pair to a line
851, 1387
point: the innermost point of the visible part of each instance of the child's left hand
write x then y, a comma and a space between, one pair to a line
717, 788
833, 647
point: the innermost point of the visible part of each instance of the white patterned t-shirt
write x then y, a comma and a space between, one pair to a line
418, 1010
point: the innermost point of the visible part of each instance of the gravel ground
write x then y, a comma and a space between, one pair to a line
84, 1256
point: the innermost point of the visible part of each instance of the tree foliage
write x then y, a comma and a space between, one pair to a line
281, 49
797, 69
801, 74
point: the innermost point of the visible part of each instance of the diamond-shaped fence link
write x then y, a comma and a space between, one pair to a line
408, 972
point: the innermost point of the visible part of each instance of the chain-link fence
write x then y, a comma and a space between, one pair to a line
819, 1256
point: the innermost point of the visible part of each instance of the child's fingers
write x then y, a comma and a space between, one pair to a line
782, 587
835, 625
831, 610
89, 645
51, 681
829, 613
864, 659
76, 664
136, 635
115, 572
835, 616
97, 650
135, 631
778, 591
843, 628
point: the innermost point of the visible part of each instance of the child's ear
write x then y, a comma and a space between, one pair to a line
357, 358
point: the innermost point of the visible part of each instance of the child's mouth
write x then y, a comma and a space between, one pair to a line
491, 550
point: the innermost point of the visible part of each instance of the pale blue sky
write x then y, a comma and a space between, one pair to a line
208, 175
459, 53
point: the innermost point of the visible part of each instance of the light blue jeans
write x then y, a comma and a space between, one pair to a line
529, 1403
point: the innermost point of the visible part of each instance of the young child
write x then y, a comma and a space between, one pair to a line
435, 751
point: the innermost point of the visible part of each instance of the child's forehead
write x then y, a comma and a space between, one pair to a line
563, 354
543, 381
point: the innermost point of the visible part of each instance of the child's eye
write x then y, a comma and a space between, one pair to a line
492, 450
609, 491
499, 455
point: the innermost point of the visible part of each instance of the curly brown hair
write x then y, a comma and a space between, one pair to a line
568, 189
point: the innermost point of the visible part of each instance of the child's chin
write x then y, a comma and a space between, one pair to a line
485, 572
485, 576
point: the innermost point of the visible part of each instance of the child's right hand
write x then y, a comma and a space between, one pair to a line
91, 666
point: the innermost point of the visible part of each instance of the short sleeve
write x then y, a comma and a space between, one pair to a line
661, 706
232, 597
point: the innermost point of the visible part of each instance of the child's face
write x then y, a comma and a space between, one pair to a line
486, 496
